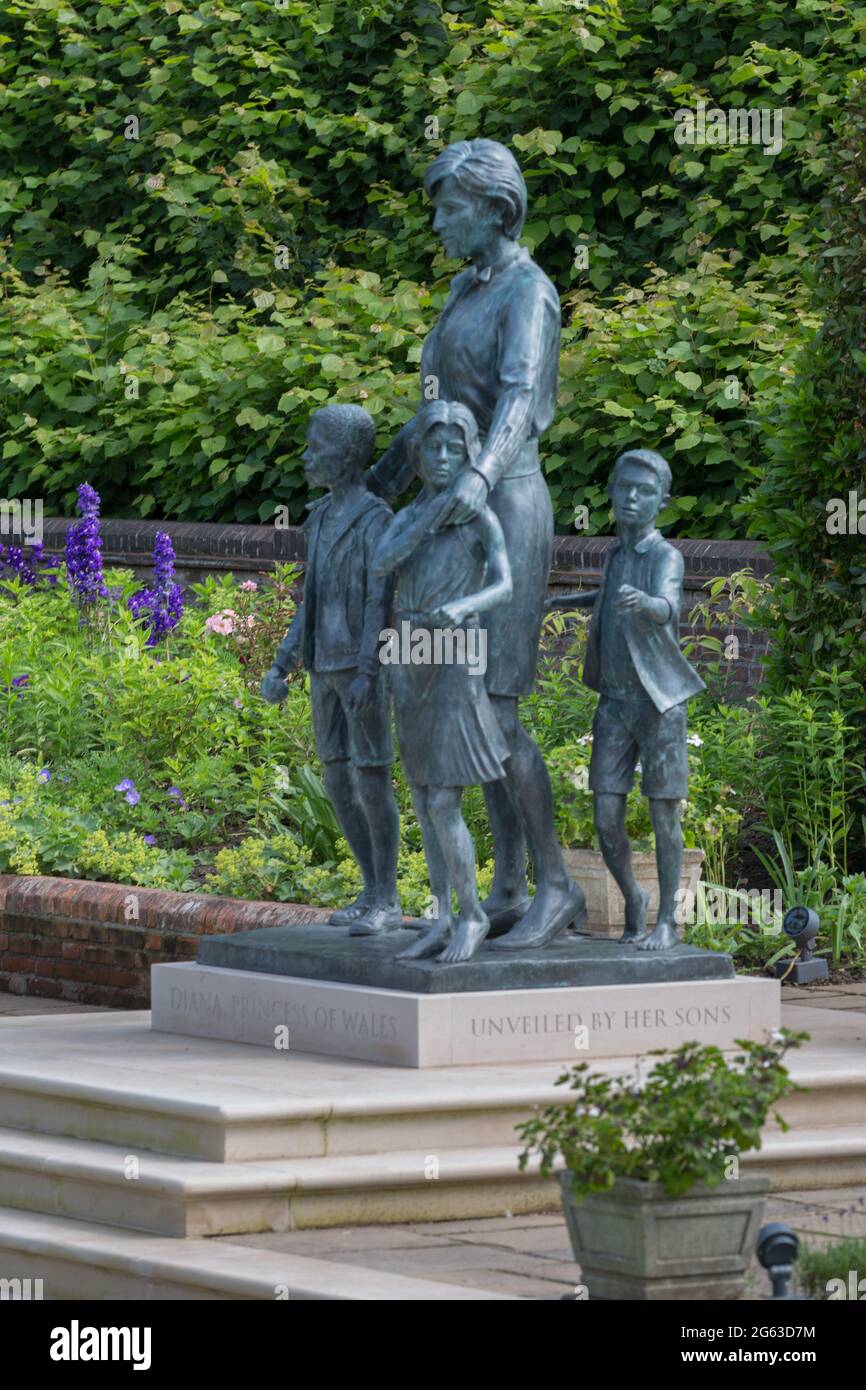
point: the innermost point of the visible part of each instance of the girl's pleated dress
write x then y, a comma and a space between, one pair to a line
447, 731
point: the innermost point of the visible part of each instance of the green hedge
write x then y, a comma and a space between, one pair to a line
816, 459
306, 126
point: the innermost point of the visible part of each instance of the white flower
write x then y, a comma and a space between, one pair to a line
585, 738
695, 740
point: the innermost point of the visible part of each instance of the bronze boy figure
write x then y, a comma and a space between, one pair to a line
448, 576
335, 636
634, 660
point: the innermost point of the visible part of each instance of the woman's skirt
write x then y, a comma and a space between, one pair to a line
513, 629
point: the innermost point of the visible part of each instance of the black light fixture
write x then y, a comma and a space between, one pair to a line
777, 1250
801, 925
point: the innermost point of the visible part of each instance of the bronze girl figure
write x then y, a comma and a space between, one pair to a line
449, 737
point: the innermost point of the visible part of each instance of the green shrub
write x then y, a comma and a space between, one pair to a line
816, 452
215, 221
816, 1268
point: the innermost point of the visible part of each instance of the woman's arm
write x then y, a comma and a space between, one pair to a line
585, 599
528, 350
393, 472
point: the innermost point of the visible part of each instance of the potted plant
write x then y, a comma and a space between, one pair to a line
651, 1187
569, 772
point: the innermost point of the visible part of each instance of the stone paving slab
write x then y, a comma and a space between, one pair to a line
530, 1255
21, 1004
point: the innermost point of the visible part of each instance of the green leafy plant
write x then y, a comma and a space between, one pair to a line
681, 1125
825, 1272
815, 445
215, 221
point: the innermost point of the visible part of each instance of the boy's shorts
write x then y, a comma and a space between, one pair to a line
363, 739
627, 731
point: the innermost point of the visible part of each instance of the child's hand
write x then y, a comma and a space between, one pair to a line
360, 692
274, 687
630, 600
449, 615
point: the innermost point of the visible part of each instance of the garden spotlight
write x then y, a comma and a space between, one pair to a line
801, 925
777, 1250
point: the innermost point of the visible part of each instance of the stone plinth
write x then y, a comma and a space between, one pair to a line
410, 1029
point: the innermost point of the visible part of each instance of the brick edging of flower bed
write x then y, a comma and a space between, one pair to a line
94, 943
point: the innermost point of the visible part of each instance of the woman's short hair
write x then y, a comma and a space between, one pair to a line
488, 170
447, 413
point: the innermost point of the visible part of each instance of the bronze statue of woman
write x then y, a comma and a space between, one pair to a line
495, 349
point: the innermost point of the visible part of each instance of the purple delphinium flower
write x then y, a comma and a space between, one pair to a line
161, 605
83, 550
27, 567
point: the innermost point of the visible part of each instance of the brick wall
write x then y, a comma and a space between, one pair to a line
94, 943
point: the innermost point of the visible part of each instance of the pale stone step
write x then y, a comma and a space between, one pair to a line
80, 1261
109, 1078
825, 1157
189, 1197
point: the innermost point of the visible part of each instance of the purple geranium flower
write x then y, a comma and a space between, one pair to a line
127, 785
150, 839
132, 797
177, 794
44, 775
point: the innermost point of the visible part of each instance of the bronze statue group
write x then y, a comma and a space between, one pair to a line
470, 554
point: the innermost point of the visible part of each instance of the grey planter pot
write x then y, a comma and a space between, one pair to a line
635, 1243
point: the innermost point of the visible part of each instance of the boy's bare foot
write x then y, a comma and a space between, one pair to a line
468, 936
635, 918
663, 938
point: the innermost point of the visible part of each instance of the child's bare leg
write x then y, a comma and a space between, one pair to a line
669, 860
616, 851
458, 850
434, 937
342, 791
